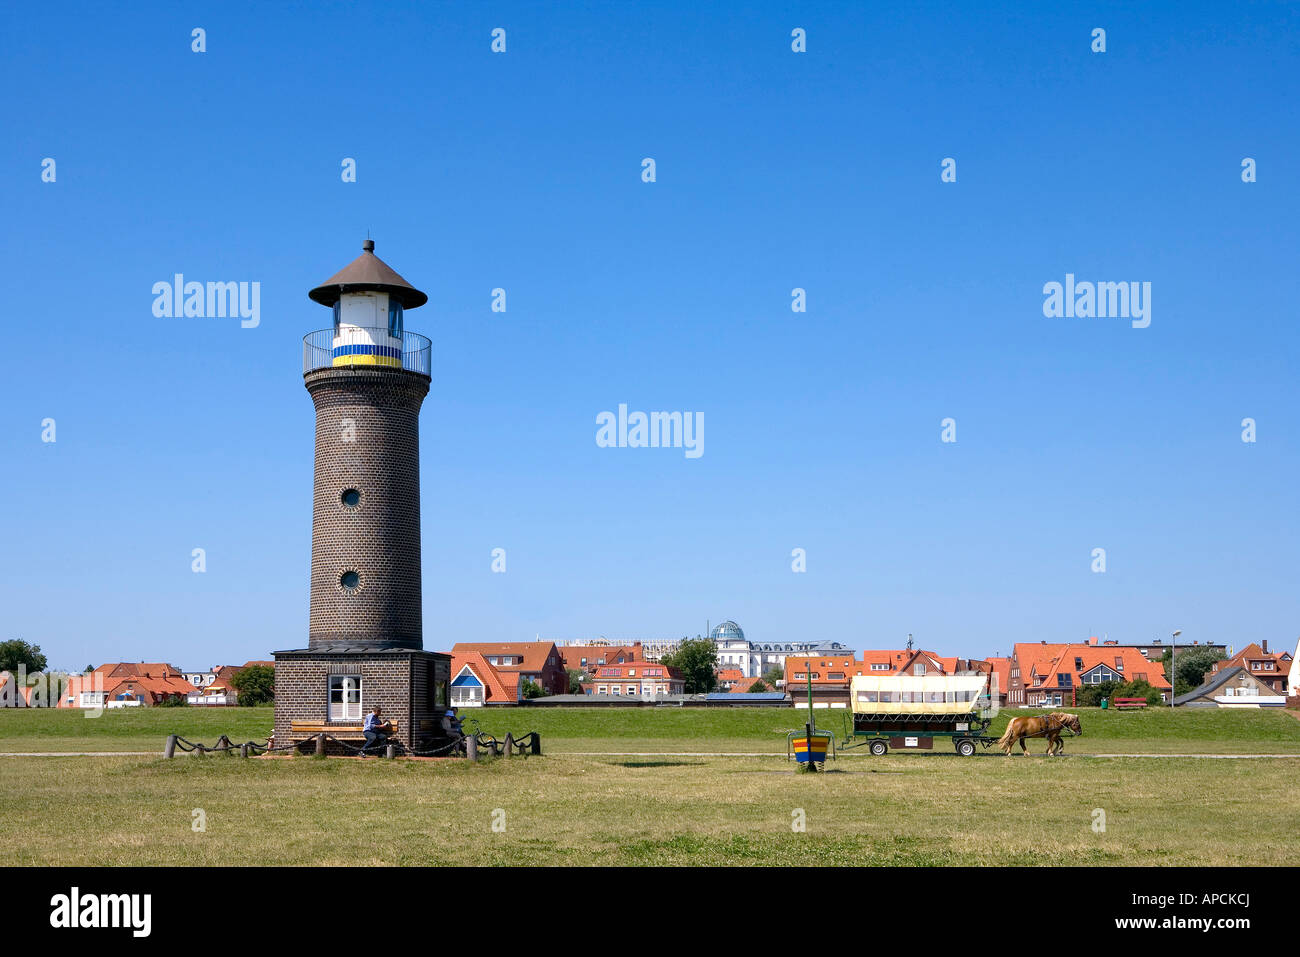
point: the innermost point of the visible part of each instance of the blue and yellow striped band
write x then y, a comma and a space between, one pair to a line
365, 355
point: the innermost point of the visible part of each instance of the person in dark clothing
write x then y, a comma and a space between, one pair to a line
377, 730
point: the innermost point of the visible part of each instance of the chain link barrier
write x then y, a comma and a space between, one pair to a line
526, 744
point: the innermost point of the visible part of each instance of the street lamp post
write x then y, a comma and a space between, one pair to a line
1173, 675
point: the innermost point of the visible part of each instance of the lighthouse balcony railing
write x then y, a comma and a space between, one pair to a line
318, 352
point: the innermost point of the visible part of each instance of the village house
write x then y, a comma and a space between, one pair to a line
1007, 691
536, 661
831, 675
733, 679
1271, 668
1233, 687
215, 687
475, 683
126, 684
637, 678
1053, 673
587, 658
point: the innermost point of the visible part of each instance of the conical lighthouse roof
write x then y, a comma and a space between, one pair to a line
368, 272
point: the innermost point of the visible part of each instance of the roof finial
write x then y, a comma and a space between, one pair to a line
368, 246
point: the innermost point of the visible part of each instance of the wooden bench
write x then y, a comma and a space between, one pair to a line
1129, 702
306, 730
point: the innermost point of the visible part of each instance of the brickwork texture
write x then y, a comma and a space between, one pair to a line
367, 444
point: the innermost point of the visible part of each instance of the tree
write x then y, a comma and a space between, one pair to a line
16, 653
697, 660
1089, 696
576, 678
255, 685
1193, 663
757, 687
532, 689
773, 675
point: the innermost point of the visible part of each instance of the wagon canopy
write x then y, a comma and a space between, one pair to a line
918, 694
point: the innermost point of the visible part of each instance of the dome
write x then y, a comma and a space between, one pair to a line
727, 631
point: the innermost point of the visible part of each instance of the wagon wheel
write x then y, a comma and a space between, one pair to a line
879, 748
965, 747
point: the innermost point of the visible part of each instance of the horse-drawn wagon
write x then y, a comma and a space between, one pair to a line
908, 712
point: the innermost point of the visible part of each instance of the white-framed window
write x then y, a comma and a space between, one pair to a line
631, 689
345, 697
614, 689
466, 695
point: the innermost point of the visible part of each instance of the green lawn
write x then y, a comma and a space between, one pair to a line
567, 809
126, 729
1155, 730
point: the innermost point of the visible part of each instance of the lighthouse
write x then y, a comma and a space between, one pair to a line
367, 377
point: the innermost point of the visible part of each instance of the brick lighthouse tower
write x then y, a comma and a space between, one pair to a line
367, 377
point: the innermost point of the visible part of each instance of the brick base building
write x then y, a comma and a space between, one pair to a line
411, 686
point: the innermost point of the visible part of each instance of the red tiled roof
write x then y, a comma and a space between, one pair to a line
895, 659
534, 653
1253, 652
643, 669
1001, 668
129, 669
496, 689
822, 666
1062, 661
595, 655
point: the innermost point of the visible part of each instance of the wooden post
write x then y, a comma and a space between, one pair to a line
537, 743
509, 744
471, 748
169, 749
243, 750
390, 751
320, 745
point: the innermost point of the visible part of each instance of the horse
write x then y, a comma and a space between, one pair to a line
1049, 726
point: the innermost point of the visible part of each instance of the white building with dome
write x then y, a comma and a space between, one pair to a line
752, 658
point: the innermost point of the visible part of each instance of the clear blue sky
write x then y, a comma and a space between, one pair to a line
775, 170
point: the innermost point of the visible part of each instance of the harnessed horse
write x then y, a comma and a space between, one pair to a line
1049, 726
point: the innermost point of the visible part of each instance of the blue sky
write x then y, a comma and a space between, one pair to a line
775, 170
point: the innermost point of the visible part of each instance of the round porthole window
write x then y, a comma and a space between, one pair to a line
350, 581
351, 498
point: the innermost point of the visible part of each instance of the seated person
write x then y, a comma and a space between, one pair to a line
377, 730
451, 726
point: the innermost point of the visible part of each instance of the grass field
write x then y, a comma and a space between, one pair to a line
1155, 730
567, 808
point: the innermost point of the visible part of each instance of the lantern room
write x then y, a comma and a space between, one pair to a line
369, 300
